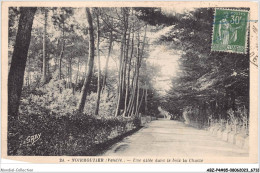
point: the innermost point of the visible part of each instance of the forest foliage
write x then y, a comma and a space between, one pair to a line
86, 67
64, 79
211, 88
67, 54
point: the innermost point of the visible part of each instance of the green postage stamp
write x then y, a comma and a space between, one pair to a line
230, 30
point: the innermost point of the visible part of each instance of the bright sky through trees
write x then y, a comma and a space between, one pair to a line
168, 59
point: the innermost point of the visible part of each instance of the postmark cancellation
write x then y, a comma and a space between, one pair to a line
230, 30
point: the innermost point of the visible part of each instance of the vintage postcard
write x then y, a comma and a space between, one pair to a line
130, 82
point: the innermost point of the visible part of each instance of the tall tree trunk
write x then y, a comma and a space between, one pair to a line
48, 66
99, 68
44, 61
18, 63
123, 74
119, 89
121, 65
107, 60
70, 74
130, 104
137, 98
62, 47
90, 62
145, 99
125, 87
77, 75
138, 65
60, 60
141, 101
86, 64
137, 76
128, 74
67, 76
56, 60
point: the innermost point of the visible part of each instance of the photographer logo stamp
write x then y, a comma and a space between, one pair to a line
30, 140
230, 30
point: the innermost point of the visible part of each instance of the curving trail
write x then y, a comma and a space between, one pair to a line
172, 138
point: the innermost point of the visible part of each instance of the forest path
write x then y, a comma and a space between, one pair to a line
173, 138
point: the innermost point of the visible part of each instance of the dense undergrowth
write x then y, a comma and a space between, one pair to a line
236, 121
48, 123
62, 100
48, 135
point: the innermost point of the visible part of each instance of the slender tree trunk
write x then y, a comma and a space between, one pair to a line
70, 74
130, 104
125, 55
44, 63
107, 60
137, 98
99, 68
48, 64
121, 66
77, 75
134, 84
139, 61
127, 78
145, 99
126, 59
132, 99
62, 47
67, 76
60, 60
123, 73
86, 64
128, 75
56, 60
141, 101
137, 76
119, 90
48, 67
18, 63
90, 62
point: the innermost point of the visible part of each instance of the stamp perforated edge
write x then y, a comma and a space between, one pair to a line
247, 31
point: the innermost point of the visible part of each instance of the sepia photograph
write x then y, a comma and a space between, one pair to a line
131, 83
